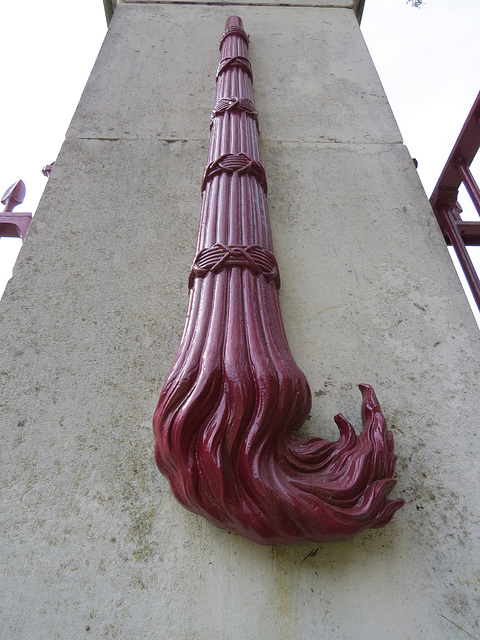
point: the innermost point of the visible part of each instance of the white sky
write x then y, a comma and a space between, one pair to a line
47, 48
427, 60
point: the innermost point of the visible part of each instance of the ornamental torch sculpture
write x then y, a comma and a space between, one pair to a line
227, 415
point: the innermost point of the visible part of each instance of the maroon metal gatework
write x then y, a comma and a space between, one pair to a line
444, 199
227, 415
13, 224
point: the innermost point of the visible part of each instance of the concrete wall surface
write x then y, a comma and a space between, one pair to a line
93, 543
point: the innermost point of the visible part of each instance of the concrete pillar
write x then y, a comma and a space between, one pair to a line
94, 545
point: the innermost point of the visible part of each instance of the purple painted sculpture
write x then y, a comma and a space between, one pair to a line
227, 415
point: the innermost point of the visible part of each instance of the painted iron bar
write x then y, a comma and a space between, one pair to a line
470, 184
450, 227
469, 232
234, 398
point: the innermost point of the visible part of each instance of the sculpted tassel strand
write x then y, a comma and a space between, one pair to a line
234, 399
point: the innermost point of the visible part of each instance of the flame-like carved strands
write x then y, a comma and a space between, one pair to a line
234, 398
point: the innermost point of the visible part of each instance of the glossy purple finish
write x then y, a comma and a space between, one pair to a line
234, 399
13, 224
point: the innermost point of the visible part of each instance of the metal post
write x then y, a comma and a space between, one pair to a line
470, 184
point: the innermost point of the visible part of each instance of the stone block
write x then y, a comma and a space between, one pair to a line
315, 84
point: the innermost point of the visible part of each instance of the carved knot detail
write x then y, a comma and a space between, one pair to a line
231, 163
215, 259
244, 105
234, 30
236, 61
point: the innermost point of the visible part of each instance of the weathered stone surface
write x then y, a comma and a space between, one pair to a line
156, 76
93, 544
